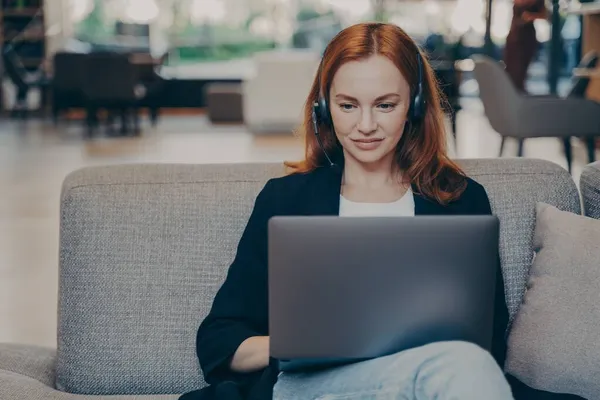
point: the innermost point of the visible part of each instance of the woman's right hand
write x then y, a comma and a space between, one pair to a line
252, 355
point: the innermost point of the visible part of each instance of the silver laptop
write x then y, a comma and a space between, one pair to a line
344, 289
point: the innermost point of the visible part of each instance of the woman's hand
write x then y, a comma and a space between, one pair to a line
252, 355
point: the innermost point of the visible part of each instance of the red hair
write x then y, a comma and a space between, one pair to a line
421, 153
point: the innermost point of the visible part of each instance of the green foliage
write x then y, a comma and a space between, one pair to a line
94, 27
223, 51
306, 14
202, 42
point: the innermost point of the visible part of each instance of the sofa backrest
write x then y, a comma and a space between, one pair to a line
144, 248
590, 189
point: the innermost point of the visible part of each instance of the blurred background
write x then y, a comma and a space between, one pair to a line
195, 31
207, 39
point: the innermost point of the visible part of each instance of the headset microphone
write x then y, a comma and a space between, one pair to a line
316, 128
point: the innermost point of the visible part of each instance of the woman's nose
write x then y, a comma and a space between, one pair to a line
367, 123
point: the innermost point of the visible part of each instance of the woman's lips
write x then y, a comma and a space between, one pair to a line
367, 143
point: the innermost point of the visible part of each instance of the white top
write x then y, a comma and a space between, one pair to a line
403, 207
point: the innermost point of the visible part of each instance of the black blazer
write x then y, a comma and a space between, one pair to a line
240, 309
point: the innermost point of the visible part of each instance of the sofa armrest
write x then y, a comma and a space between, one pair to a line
27, 372
590, 189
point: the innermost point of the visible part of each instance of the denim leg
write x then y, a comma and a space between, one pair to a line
460, 371
440, 371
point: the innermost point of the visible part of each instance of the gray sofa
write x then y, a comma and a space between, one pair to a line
143, 249
590, 189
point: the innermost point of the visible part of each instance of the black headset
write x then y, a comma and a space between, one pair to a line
322, 115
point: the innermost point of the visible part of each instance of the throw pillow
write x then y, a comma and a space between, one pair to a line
554, 343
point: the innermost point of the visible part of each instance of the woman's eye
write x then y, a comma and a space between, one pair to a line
346, 107
387, 106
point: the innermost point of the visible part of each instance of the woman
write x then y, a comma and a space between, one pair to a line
521, 42
379, 118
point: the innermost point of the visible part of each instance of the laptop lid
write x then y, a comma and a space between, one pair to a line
357, 288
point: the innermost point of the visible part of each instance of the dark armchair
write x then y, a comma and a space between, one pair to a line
67, 82
516, 115
110, 83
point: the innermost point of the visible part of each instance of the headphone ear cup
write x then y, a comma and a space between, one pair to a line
323, 111
418, 107
411, 110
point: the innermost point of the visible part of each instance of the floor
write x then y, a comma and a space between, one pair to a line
35, 157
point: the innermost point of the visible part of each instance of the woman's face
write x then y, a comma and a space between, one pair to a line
369, 101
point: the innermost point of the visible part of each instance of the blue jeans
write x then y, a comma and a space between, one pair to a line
441, 371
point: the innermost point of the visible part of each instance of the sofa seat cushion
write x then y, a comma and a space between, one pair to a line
35, 362
552, 345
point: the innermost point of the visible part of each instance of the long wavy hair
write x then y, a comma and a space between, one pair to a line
421, 152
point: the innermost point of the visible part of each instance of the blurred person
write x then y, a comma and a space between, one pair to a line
521, 43
571, 32
375, 106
